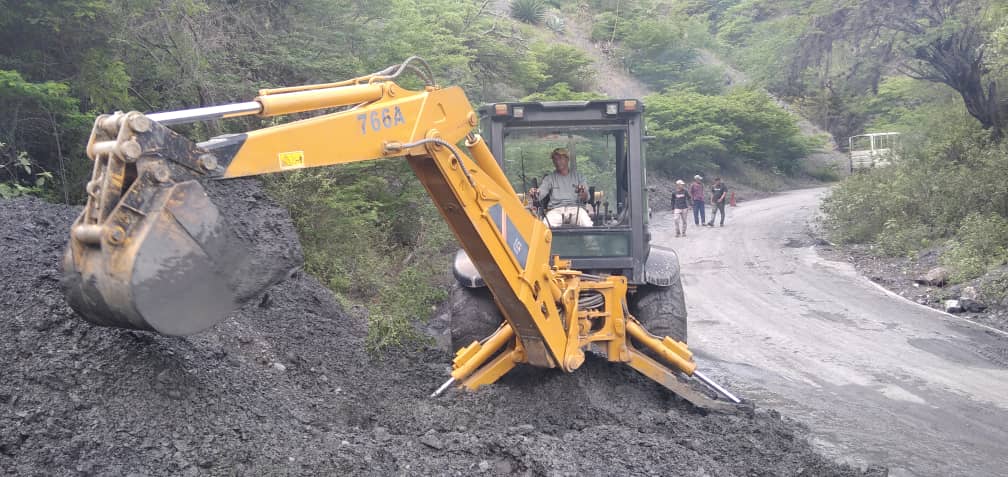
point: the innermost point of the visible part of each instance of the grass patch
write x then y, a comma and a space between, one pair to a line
756, 178
978, 247
824, 173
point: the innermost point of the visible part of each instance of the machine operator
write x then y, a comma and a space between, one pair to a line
567, 191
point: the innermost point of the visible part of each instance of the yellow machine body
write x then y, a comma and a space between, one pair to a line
150, 250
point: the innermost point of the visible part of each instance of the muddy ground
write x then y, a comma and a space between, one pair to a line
285, 387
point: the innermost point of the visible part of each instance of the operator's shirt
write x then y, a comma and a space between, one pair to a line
562, 189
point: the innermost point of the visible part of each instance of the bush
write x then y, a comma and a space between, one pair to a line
22, 175
697, 132
565, 64
762, 43
899, 238
562, 92
995, 286
556, 24
952, 171
44, 124
372, 235
408, 300
978, 246
824, 173
858, 209
603, 24
664, 52
528, 11
948, 184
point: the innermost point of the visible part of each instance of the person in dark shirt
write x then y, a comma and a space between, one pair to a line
680, 205
719, 195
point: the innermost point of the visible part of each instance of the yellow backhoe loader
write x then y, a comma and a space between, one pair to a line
150, 250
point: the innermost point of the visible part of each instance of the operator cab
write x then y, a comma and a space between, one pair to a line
604, 140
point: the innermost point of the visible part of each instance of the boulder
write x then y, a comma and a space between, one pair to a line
936, 277
431, 439
971, 306
952, 306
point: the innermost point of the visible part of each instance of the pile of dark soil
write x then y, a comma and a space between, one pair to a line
284, 387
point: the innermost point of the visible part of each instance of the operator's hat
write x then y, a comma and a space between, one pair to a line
680, 182
697, 177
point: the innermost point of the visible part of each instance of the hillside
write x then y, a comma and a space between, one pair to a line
614, 81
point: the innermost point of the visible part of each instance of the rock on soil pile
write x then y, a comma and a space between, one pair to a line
284, 387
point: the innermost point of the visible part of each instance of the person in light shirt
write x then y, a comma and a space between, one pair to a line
567, 191
680, 206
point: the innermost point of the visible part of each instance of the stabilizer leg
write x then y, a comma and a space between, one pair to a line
667, 378
471, 368
675, 353
493, 370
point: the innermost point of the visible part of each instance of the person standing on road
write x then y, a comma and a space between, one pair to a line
696, 193
680, 205
719, 194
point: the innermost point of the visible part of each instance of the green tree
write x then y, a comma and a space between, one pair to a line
665, 52
701, 132
562, 92
942, 41
40, 131
565, 64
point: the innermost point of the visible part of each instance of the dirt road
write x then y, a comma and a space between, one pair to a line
876, 378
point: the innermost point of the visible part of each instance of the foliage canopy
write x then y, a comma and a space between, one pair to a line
696, 132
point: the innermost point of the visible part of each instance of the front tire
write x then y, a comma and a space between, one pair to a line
474, 315
662, 310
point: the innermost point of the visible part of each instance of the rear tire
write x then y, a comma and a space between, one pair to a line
474, 315
662, 310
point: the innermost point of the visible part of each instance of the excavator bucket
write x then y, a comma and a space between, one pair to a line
150, 251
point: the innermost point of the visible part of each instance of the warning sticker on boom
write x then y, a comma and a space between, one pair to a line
291, 160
